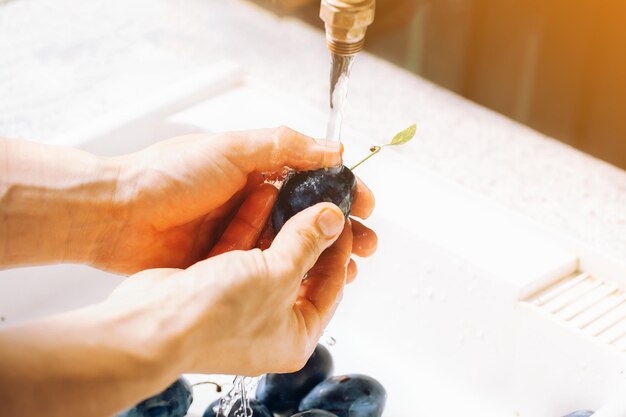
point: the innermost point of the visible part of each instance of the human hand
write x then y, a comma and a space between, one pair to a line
174, 198
241, 312
245, 312
251, 312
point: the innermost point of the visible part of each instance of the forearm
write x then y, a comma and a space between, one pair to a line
56, 204
86, 363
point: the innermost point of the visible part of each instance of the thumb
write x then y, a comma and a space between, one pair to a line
302, 239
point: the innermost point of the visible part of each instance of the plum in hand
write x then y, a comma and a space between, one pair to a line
304, 189
258, 409
173, 402
347, 396
336, 185
282, 393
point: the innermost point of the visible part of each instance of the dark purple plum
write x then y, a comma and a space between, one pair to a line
314, 413
173, 402
580, 413
258, 409
281, 393
347, 396
304, 189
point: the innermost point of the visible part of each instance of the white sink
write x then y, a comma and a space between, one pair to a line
448, 315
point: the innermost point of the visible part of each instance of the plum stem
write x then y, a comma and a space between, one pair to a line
399, 139
218, 387
373, 151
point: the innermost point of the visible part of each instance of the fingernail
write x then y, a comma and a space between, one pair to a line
330, 222
329, 144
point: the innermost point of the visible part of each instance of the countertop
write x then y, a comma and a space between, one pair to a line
66, 62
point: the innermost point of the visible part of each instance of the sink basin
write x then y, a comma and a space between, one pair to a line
450, 315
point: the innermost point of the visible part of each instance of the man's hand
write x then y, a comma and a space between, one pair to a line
242, 310
247, 312
176, 196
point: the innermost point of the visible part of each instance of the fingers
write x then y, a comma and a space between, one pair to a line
244, 230
352, 271
301, 241
321, 291
255, 178
266, 238
272, 149
365, 240
363, 203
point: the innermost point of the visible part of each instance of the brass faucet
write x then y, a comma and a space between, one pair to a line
346, 22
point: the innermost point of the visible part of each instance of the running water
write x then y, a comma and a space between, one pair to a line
339, 76
239, 392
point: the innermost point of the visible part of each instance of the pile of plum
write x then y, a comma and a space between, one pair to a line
310, 392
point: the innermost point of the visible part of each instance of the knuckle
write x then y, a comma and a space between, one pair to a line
259, 263
279, 143
281, 136
283, 131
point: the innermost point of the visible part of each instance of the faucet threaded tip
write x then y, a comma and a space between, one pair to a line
344, 48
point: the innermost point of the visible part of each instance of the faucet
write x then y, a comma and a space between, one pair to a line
346, 22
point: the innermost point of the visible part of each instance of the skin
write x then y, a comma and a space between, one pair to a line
182, 217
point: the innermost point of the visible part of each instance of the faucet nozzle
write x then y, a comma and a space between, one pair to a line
346, 22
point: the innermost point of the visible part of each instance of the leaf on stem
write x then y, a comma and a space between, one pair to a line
404, 136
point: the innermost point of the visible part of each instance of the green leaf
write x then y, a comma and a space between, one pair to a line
404, 136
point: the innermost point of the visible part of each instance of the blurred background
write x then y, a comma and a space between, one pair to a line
558, 66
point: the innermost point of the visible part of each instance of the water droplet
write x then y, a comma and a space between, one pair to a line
330, 341
239, 391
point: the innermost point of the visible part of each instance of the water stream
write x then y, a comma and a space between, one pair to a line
339, 76
240, 390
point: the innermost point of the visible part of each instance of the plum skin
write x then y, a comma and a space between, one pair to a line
351, 395
314, 413
258, 409
281, 393
174, 401
304, 189
580, 413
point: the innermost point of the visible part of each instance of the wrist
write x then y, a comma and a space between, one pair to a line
140, 340
59, 204
107, 212
96, 361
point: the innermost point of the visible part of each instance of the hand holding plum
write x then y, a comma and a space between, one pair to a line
173, 199
241, 311
249, 311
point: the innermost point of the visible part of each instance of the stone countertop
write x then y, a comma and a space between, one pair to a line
65, 62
